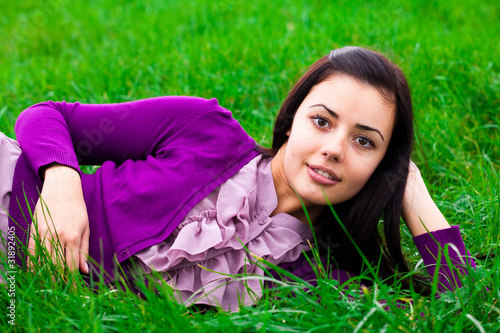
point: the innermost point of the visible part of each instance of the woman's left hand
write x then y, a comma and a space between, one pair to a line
62, 219
420, 213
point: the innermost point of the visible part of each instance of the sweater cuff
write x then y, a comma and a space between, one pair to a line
54, 156
429, 248
430, 244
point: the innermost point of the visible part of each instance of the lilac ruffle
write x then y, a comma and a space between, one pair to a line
218, 239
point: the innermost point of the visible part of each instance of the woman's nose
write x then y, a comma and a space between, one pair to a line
334, 146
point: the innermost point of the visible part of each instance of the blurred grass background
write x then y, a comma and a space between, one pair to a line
248, 54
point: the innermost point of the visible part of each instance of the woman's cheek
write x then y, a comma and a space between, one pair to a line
364, 175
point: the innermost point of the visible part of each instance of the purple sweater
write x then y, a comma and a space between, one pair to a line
159, 156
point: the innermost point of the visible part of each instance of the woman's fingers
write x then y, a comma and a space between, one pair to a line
31, 249
32, 240
37, 241
60, 221
84, 251
50, 244
72, 257
60, 248
76, 252
36, 238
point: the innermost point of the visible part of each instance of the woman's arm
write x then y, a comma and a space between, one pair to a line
156, 149
57, 136
73, 133
433, 235
420, 213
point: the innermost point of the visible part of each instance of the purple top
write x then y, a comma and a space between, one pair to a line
159, 156
222, 237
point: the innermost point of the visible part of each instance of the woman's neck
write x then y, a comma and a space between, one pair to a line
288, 200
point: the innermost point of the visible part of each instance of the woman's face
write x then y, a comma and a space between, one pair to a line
338, 137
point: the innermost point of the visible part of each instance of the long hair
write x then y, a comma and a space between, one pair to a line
381, 197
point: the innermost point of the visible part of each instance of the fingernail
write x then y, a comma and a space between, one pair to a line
87, 267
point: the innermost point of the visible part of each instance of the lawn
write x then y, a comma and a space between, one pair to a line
248, 54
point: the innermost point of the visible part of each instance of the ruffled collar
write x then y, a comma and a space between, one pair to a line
268, 200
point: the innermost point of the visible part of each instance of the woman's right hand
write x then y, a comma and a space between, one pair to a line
419, 211
61, 218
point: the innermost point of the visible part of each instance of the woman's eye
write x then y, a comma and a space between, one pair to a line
320, 122
364, 142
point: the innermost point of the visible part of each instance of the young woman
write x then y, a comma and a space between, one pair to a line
184, 191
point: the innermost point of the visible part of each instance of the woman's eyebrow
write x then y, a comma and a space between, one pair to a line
336, 116
331, 112
368, 128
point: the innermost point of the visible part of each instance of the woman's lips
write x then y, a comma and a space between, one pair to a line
315, 173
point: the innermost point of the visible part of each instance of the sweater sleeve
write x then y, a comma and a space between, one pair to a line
89, 134
159, 157
445, 243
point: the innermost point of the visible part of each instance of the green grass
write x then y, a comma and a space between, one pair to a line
248, 55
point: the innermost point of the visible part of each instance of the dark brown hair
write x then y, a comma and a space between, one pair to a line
382, 196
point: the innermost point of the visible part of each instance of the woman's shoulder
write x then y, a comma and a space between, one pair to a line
182, 105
